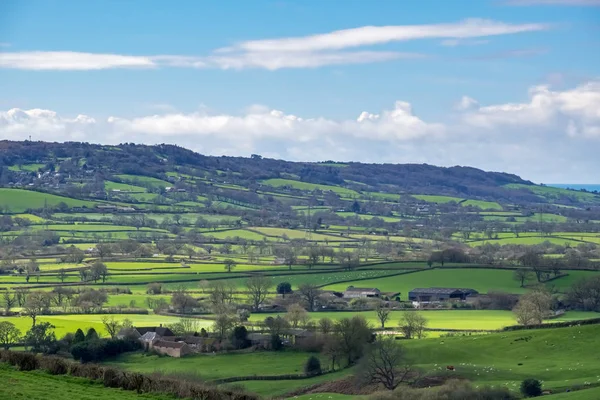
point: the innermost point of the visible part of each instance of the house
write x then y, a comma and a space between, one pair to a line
260, 340
138, 332
173, 349
148, 339
440, 294
353, 293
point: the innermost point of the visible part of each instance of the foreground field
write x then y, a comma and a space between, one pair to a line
37, 385
560, 357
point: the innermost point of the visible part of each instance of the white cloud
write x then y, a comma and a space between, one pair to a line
373, 35
561, 126
68, 60
272, 54
463, 42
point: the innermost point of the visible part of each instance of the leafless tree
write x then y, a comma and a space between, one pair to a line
383, 313
385, 362
258, 288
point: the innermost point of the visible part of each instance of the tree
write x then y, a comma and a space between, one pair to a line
239, 337
533, 260
531, 388
522, 275
258, 289
223, 324
309, 292
182, 301
62, 275
275, 325
284, 288
111, 325
79, 336
9, 301
585, 294
98, 270
229, 264
412, 325
104, 250
325, 325
9, 334
41, 338
352, 335
221, 293
383, 313
385, 362
296, 315
312, 366
36, 303
533, 307
91, 335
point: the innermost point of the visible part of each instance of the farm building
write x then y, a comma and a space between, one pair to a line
138, 332
353, 292
173, 349
440, 294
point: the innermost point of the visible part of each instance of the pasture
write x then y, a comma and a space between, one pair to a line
276, 182
38, 385
20, 200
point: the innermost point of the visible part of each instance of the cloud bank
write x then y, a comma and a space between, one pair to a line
333, 48
554, 136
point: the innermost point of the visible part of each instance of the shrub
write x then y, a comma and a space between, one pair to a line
54, 365
531, 388
98, 350
91, 334
23, 361
312, 366
276, 343
79, 336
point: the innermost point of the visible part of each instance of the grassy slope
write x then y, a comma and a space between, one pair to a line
37, 385
19, 200
560, 357
276, 182
221, 366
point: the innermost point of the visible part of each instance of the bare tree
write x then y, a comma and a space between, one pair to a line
522, 275
385, 362
229, 264
296, 315
9, 301
413, 324
36, 303
533, 307
111, 325
62, 275
258, 288
309, 292
383, 313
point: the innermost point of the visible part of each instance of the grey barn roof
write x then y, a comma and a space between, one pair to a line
437, 290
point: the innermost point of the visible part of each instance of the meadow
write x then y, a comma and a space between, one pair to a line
38, 385
20, 200
276, 182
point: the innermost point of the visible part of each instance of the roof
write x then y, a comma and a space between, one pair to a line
437, 290
356, 289
170, 345
149, 336
256, 337
162, 331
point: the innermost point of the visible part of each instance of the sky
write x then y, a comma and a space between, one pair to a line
501, 85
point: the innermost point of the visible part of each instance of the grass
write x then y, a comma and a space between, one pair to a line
20, 200
70, 323
211, 367
27, 167
38, 385
241, 233
144, 180
484, 205
482, 280
123, 187
436, 199
295, 234
277, 182
553, 193
560, 357
367, 216
444, 319
327, 396
281, 387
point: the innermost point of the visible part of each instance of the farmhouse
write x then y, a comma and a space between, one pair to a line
440, 294
353, 292
173, 349
138, 332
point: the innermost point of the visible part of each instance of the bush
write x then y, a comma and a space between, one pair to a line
23, 361
312, 366
98, 350
531, 388
91, 334
79, 337
276, 343
54, 365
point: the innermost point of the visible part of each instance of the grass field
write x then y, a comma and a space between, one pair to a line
559, 357
436, 199
38, 385
225, 365
484, 205
367, 216
277, 182
481, 280
19, 200
295, 234
444, 319
144, 180
70, 323
123, 187
553, 193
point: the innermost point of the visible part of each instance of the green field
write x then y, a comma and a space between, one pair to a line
27, 167
209, 367
553, 193
19, 200
444, 319
123, 187
484, 205
38, 385
144, 180
436, 199
479, 279
559, 357
277, 182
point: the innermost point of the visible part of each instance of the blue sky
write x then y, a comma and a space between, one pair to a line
501, 84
